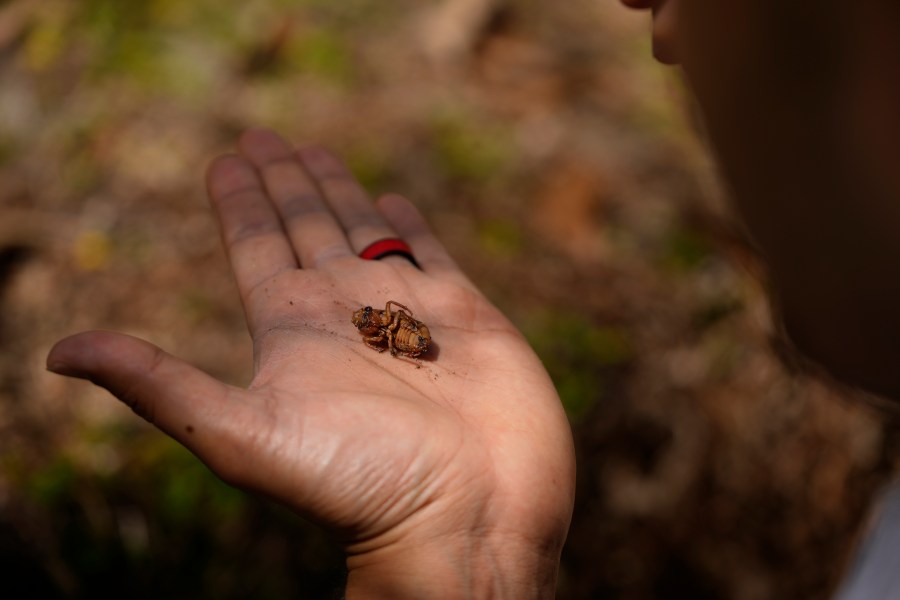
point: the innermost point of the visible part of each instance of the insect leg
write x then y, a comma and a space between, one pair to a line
372, 341
395, 323
391, 346
387, 307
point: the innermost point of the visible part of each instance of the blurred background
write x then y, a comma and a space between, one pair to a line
561, 168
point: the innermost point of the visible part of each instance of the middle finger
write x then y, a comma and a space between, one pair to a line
349, 201
315, 234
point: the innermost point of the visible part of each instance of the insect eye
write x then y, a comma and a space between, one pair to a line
367, 310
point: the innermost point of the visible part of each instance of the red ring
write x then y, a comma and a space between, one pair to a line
387, 247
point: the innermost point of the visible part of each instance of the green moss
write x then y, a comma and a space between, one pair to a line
580, 356
715, 311
183, 486
470, 150
45, 43
370, 164
500, 238
322, 53
53, 483
196, 304
685, 250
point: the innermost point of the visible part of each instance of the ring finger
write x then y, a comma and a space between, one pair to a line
351, 204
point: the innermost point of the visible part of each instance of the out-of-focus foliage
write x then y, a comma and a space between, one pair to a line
580, 356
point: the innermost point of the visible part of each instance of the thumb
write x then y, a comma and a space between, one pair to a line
181, 400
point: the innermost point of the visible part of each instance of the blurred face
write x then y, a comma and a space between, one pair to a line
801, 102
663, 27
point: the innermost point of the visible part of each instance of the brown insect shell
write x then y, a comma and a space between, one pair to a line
405, 335
412, 337
368, 320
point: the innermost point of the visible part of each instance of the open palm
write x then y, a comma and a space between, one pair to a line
463, 450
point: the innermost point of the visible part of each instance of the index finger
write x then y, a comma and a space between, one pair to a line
254, 238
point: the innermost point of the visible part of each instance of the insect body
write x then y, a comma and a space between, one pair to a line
403, 334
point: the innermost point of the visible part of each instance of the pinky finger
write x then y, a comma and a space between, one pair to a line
409, 224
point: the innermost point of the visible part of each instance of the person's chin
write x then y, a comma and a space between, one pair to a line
664, 33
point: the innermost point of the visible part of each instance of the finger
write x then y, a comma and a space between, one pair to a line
412, 227
189, 405
351, 204
254, 239
315, 234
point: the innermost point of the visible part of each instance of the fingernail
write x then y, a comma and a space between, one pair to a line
61, 369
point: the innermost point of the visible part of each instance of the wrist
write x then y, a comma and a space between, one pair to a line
474, 567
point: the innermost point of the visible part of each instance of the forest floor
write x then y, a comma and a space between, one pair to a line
560, 166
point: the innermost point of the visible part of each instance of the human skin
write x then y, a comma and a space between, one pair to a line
448, 477
801, 103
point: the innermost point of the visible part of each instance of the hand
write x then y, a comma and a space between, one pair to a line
451, 475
